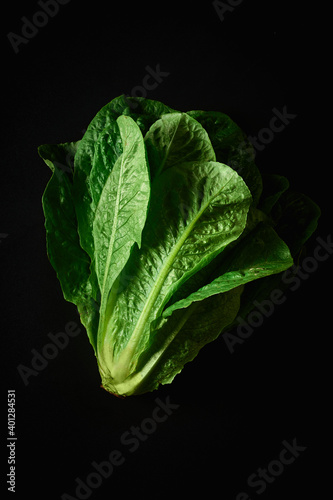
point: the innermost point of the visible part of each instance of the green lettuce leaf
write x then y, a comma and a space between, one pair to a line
262, 253
232, 147
64, 250
274, 187
121, 211
176, 138
70, 261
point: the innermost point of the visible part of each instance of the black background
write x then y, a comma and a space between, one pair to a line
234, 409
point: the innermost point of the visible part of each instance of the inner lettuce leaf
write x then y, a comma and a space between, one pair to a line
162, 231
176, 138
121, 211
232, 147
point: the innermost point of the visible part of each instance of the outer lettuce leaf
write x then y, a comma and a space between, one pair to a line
274, 186
64, 250
69, 260
296, 218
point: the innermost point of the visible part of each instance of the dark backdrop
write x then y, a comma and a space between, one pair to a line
235, 412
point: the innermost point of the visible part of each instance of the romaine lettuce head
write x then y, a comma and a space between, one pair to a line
157, 223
